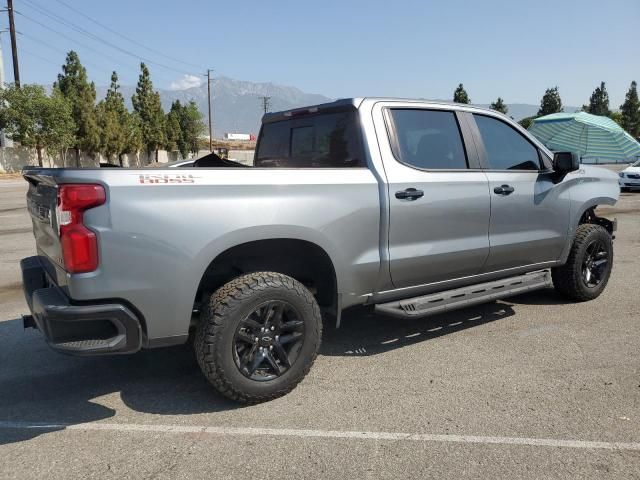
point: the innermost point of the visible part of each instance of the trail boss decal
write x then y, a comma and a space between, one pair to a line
148, 179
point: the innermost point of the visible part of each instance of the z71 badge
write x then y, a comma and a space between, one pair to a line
149, 179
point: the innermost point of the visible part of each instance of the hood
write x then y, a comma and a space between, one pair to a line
597, 172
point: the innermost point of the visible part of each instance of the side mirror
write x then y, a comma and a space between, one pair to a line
565, 162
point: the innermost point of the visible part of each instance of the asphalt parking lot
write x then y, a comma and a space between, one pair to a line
531, 387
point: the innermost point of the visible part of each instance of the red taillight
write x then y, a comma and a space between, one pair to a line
79, 244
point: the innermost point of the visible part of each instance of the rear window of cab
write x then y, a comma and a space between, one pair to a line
325, 140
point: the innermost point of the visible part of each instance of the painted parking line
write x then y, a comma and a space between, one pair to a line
332, 434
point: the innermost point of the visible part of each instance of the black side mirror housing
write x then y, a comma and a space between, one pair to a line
565, 162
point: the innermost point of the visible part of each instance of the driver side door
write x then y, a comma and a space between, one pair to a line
529, 210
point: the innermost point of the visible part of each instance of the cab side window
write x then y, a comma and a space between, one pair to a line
427, 139
506, 148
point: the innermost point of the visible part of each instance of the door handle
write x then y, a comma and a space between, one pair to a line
409, 194
504, 190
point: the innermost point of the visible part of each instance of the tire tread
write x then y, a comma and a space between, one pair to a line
567, 278
221, 304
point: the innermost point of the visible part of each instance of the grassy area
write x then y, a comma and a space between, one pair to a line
9, 176
230, 144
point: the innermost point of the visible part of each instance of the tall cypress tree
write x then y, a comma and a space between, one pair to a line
630, 111
173, 130
133, 133
599, 101
192, 126
112, 114
460, 95
551, 102
146, 103
500, 106
81, 95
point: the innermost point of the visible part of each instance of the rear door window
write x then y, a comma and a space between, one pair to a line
427, 139
329, 140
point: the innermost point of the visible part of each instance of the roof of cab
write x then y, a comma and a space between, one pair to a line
343, 104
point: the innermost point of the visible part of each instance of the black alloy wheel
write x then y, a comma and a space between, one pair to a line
595, 263
267, 342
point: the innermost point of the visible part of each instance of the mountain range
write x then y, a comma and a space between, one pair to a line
237, 105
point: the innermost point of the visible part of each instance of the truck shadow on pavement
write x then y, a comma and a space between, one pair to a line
364, 333
40, 386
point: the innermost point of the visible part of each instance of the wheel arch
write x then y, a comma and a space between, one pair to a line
305, 260
585, 213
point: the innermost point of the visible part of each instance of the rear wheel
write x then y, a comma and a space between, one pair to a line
258, 337
587, 271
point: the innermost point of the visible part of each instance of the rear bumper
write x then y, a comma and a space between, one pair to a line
77, 329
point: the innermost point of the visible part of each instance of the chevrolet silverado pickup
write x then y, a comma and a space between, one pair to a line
411, 207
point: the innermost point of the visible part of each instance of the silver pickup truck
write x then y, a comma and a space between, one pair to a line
412, 207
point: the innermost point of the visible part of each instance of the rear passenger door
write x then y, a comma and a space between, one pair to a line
529, 211
438, 197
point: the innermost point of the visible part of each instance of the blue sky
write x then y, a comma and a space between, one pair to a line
407, 48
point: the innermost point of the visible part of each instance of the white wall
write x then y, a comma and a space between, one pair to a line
12, 159
242, 156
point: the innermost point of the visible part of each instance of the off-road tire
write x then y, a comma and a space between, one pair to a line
229, 306
568, 279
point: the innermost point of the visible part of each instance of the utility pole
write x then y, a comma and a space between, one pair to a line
266, 103
14, 46
209, 103
3, 139
2, 62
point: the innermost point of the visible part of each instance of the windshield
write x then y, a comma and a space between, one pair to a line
636, 163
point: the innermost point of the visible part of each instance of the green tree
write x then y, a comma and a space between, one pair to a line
599, 101
550, 103
630, 112
36, 120
133, 134
460, 95
192, 127
527, 121
146, 103
616, 117
500, 106
81, 95
112, 114
173, 130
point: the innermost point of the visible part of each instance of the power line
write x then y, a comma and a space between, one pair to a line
129, 39
43, 25
53, 16
117, 62
63, 52
39, 57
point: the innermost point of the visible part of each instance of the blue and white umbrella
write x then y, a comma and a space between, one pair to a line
596, 139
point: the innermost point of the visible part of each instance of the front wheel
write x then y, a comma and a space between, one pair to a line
587, 271
259, 336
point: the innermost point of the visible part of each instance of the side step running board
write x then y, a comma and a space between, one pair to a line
466, 296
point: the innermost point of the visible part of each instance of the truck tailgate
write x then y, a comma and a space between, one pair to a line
42, 200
